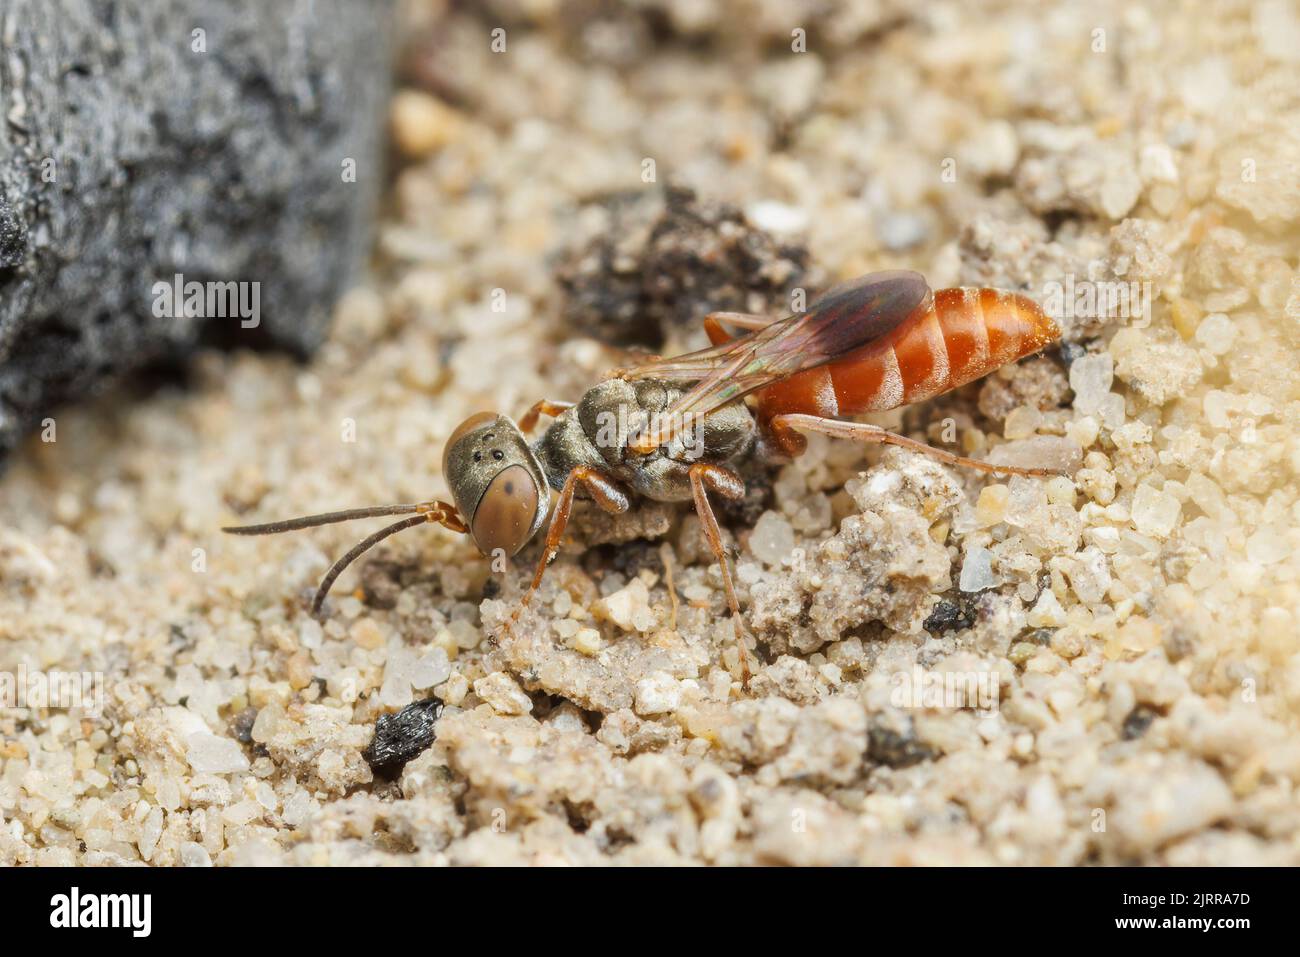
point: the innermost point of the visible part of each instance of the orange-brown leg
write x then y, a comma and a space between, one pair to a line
446, 515
543, 407
782, 425
714, 321
729, 485
603, 491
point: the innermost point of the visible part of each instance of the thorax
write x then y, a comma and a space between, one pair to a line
595, 433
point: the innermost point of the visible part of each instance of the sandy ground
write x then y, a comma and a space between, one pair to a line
956, 669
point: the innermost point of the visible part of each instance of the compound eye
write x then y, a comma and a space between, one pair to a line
506, 512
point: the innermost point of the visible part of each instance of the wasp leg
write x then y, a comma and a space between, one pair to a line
783, 425
729, 485
603, 491
543, 407
748, 321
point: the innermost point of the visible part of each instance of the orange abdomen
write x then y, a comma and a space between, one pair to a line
954, 338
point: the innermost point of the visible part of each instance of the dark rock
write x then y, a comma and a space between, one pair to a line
665, 262
1138, 721
949, 616
241, 725
892, 741
1069, 351
401, 737
129, 155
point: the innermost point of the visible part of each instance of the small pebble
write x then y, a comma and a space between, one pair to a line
504, 695
208, 753
977, 571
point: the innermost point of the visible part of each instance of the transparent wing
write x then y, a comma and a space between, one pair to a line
845, 318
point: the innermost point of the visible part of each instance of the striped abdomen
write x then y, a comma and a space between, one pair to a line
955, 338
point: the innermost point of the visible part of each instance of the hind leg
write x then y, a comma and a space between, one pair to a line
714, 321
783, 430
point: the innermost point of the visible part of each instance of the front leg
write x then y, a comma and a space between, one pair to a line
542, 407
603, 490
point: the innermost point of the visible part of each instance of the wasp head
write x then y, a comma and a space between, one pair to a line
497, 482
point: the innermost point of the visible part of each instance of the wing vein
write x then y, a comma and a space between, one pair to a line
845, 318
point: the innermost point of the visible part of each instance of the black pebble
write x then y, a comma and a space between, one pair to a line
949, 616
241, 725
892, 741
1069, 351
401, 737
1137, 722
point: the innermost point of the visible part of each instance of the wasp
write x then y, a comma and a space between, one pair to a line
675, 429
